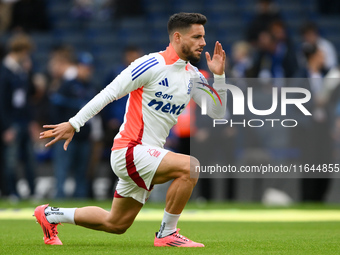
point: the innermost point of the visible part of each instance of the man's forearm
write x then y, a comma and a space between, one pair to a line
91, 109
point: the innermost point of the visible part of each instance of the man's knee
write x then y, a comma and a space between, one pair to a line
192, 171
117, 228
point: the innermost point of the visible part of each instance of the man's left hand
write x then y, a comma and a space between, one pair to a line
216, 64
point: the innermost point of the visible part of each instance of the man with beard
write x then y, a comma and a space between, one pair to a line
160, 86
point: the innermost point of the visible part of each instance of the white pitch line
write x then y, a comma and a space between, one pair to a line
228, 215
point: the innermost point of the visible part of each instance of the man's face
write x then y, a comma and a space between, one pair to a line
311, 37
192, 43
131, 56
84, 72
54, 67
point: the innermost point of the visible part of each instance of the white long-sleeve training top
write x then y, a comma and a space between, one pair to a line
160, 86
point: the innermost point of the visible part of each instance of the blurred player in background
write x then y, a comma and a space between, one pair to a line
160, 86
15, 92
73, 91
314, 133
310, 34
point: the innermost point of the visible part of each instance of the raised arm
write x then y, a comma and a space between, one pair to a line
216, 64
215, 96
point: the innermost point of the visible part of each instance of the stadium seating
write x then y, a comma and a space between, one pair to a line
105, 39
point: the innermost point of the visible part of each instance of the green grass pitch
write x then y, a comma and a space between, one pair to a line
24, 236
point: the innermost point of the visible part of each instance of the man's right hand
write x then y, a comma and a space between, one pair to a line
62, 131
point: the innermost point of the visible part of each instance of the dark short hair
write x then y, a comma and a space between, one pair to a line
309, 50
184, 20
309, 27
64, 52
20, 42
132, 48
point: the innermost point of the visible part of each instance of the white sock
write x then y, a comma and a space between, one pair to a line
169, 224
56, 215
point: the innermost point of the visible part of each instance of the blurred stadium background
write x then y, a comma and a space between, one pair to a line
100, 30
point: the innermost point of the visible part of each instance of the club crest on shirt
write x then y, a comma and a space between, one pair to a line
190, 85
154, 152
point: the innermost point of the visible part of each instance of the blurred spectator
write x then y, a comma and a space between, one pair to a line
15, 91
73, 93
86, 10
310, 34
332, 83
40, 102
241, 59
279, 31
285, 47
130, 54
85, 72
82, 9
266, 12
29, 15
273, 58
82, 12
2, 51
313, 136
5, 14
2, 181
